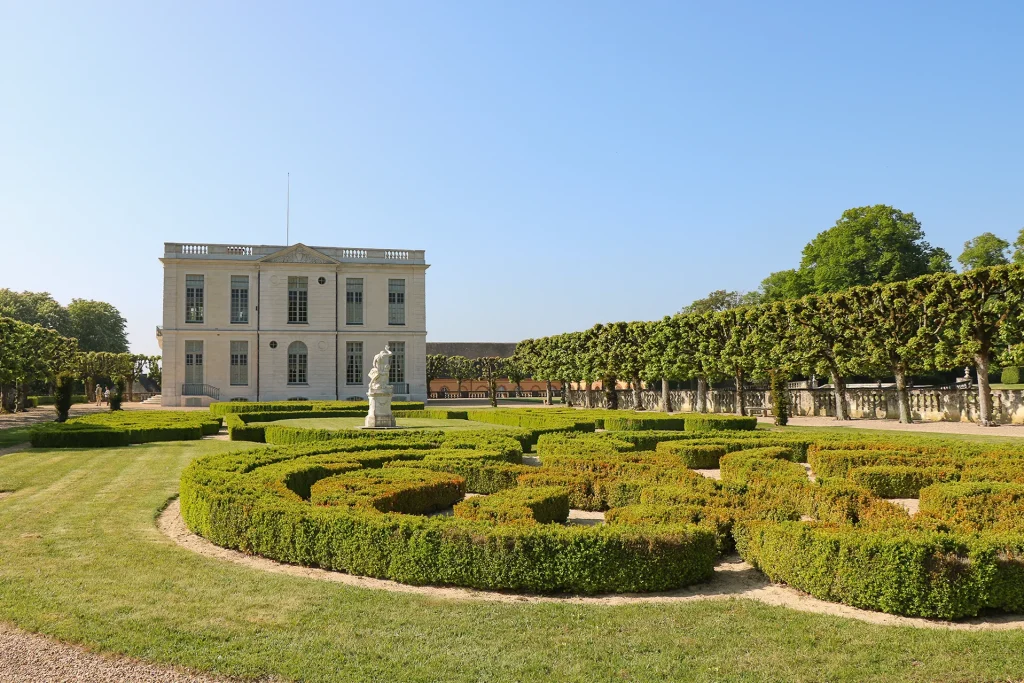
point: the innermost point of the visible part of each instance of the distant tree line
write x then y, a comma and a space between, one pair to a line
489, 369
33, 357
97, 325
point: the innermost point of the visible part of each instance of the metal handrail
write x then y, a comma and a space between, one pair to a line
200, 390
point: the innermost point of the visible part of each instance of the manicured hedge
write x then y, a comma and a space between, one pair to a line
665, 524
518, 506
119, 428
36, 401
698, 456
899, 481
229, 500
699, 422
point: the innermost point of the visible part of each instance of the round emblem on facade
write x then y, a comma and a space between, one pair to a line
322, 280
322, 345
275, 280
273, 344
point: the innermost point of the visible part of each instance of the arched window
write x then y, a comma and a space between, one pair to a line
297, 363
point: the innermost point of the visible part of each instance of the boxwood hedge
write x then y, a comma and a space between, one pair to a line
120, 428
316, 499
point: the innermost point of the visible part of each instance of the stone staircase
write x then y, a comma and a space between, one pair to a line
152, 400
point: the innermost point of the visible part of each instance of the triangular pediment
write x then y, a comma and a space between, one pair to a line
298, 253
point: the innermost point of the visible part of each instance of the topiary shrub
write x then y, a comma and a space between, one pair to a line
1012, 375
780, 398
117, 395
62, 398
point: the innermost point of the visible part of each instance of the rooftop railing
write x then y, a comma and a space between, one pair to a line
254, 252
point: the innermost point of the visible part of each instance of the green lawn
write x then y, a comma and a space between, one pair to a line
408, 422
81, 559
12, 436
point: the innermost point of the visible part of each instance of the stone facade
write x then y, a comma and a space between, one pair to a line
270, 328
926, 405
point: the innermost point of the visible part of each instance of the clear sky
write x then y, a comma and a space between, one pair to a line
563, 163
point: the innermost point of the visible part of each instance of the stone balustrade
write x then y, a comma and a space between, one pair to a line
926, 405
254, 252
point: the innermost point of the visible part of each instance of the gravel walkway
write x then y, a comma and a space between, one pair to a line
893, 425
45, 414
29, 657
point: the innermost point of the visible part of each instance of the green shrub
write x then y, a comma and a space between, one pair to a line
636, 421
976, 506
227, 499
697, 456
917, 574
899, 481
761, 463
406, 490
700, 422
71, 435
837, 463
535, 505
1012, 375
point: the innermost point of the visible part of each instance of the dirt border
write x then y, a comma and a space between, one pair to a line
733, 578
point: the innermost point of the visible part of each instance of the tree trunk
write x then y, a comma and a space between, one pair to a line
586, 397
492, 389
637, 397
839, 390
985, 417
547, 393
903, 395
702, 395
458, 387
21, 398
740, 404
664, 397
7, 398
519, 389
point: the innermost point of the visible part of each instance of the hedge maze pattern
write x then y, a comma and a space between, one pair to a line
356, 503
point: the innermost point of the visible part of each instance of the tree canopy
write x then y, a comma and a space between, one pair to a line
870, 244
983, 251
97, 325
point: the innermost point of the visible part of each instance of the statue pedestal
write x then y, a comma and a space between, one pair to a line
380, 416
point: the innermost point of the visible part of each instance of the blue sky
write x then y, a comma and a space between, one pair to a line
563, 163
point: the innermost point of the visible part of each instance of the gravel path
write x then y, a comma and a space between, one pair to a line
893, 425
45, 414
29, 657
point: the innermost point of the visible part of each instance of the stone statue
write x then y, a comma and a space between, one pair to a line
380, 416
379, 372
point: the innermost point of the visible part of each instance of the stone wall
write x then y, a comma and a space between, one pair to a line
927, 405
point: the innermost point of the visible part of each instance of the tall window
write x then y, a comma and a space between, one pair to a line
354, 363
193, 362
396, 302
298, 300
297, 363
239, 363
397, 373
194, 298
354, 301
239, 298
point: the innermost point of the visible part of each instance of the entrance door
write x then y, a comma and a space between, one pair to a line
193, 362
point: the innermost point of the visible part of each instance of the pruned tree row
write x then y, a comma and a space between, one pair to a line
931, 323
